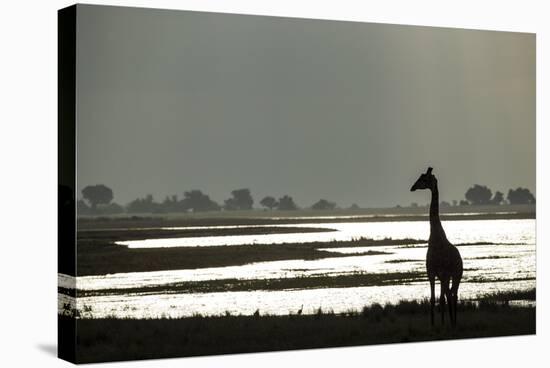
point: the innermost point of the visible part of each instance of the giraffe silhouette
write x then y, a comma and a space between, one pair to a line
443, 259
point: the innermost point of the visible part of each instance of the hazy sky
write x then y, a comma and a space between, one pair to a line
170, 101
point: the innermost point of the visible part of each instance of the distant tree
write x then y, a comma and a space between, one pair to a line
354, 207
463, 203
455, 202
110, 209
444, 204
269, 202
197, 201
479, 194
171, 204
323, 204
498, 198
97, 194
143, 205
414, 204
287, 203
521, 196
241, 200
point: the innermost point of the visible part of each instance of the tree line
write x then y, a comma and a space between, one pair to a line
482, 195
478, 195
98, 199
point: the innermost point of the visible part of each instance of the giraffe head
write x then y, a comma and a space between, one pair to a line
425, 181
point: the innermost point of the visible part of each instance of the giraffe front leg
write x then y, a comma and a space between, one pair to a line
454, 293
432, 298
442, 304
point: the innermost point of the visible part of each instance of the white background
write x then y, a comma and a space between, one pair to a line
28, 180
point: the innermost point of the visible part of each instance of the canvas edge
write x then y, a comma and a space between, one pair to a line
66, 161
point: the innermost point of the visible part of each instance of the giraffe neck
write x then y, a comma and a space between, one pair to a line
436, 229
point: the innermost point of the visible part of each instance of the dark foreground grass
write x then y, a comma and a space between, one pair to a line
121, 339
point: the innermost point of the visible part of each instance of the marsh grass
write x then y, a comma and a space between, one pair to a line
161, 233
97, 257
354, 279
403, 260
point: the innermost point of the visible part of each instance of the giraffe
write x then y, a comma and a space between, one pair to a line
443, 259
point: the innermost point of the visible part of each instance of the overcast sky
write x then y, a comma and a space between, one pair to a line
170, 101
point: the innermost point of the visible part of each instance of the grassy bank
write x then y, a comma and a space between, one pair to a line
119, 339
101, 257
306, 282
161, 233
357, 279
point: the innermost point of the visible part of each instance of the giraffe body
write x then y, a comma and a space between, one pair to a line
443, 260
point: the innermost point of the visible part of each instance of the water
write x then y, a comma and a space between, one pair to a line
507, 263
466, 231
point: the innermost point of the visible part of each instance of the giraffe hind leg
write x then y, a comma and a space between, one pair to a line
442, 304
451, 306
432, 297
444, 295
